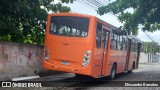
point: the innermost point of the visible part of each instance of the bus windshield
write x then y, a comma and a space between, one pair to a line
69, 26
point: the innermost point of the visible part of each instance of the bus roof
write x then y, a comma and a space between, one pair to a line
70, 14
135, 38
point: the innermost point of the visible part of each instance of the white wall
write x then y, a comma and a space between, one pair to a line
18, 60
149, 58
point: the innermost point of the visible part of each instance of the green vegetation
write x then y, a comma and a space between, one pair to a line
151, 47
145, 14
24, 20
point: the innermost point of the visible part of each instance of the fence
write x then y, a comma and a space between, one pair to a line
149, 58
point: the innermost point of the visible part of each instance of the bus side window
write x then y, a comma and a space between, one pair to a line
98, 35
132, 45
124, 46
121, 36
118, 43
136, 46
104, 38
113, 41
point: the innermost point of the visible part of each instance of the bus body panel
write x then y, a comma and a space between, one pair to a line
118, 57
65, 49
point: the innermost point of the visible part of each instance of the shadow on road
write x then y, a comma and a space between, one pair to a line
86, 81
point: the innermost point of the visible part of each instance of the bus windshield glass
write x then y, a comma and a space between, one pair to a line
69, 26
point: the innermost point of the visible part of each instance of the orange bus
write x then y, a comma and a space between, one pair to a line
85, 45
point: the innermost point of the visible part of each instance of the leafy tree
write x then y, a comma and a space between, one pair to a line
145, 14
151, 47
24, 20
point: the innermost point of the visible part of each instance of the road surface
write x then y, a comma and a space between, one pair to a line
68, 81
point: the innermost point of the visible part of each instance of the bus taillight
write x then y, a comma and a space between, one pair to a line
86, 58
46, 53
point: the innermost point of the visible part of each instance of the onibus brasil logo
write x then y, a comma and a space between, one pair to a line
20, 84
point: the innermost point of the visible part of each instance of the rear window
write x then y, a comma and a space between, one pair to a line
69, 26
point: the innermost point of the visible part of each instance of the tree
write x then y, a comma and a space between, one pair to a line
151, 47
145, 14
24, 20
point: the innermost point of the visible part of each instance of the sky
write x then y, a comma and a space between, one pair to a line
79, 7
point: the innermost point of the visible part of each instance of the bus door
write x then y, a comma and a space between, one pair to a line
105, 37
128, 54
102, 35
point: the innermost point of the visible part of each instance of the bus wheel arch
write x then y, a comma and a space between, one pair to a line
133, 67
113, 70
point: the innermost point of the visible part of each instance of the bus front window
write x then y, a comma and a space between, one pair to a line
69, 26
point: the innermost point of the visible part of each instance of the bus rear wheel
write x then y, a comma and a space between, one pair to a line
79, 75
113, 72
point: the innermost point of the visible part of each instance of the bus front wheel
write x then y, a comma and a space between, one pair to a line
133, 67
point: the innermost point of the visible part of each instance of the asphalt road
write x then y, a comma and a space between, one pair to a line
68, 81
145, 72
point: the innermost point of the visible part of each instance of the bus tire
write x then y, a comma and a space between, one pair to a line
113, 72
133, 67
78, 75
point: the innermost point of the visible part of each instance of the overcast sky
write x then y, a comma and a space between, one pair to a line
78, 7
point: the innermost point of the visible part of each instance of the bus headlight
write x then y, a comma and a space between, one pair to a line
86, 58
46, 53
